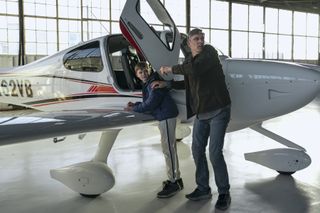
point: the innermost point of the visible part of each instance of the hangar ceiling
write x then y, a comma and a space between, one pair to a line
311, 6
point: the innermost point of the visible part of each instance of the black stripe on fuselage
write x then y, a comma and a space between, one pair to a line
53, 76
52, 100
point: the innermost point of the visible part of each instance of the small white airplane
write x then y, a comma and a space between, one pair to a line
86, 87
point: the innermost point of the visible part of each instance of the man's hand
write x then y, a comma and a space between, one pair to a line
158, 84
129, 107
165, 70
130, 104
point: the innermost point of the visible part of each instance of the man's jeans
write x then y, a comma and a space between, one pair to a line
215, 127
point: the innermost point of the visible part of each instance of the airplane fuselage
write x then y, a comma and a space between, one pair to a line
259, 89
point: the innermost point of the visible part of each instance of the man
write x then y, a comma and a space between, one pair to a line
159, 103
207, 97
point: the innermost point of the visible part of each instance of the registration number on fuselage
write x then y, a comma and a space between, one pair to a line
16, 88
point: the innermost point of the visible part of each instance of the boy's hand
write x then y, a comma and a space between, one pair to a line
130, 104
129, 107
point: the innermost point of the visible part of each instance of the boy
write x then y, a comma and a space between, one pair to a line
159, 103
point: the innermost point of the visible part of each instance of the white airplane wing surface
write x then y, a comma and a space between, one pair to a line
40, 125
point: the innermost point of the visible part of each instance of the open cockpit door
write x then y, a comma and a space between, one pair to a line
158, 47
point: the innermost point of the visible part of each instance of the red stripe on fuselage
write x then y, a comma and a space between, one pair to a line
102, 89
130, 38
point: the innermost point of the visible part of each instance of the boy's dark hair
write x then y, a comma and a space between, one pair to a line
140, 66
194, 31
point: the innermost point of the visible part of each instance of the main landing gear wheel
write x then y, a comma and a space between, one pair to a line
94, 177
285, 173
89, 196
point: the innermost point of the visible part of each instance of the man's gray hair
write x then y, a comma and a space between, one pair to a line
195, 31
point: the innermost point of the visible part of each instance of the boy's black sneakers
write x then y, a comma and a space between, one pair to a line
170, 188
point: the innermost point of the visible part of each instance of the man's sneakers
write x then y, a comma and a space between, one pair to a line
170, 188
199, 195
223, 202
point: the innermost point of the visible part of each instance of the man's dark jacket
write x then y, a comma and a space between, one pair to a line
205, 85
158, 102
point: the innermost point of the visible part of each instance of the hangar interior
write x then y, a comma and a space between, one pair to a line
281, 30
285, 30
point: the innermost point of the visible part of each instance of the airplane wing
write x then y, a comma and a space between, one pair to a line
40, 125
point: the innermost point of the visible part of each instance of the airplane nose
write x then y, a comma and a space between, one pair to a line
275, 88
312, 75
304, 85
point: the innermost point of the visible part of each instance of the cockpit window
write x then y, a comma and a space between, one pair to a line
123, 58
85, 58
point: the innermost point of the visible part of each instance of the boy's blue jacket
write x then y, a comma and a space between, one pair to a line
158, 102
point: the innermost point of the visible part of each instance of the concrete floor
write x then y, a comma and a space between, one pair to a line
138, 165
